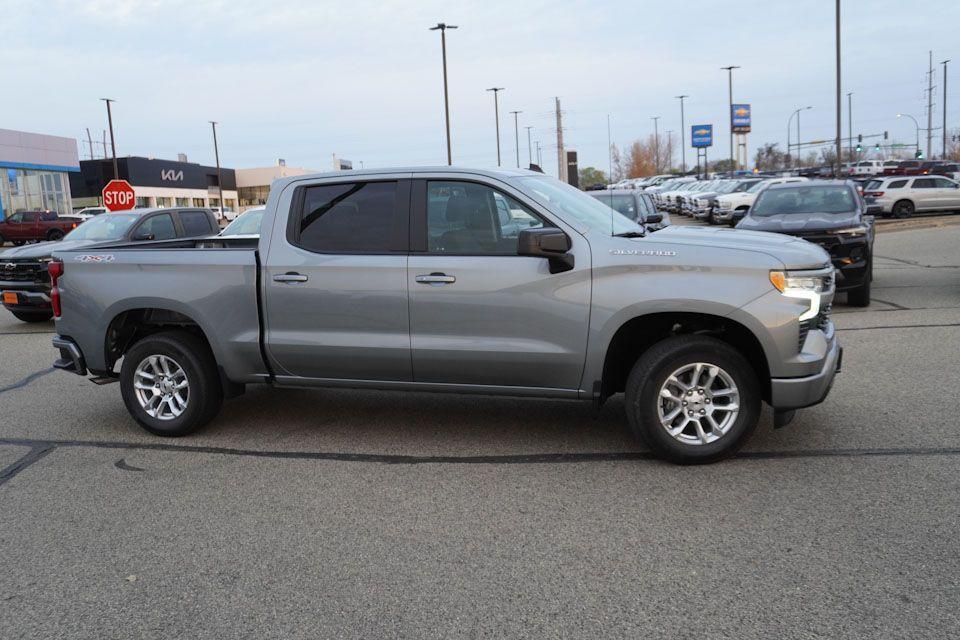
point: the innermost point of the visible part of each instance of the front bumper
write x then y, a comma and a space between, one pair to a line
26, 300
71, 358
796, 393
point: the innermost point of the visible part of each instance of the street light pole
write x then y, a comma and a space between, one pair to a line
943, 155
496, 116
729, 71
446, 99
850, 127
216, 154
529, 146
113, 146
656, 144
516, 134
916, 123
683, 141
789, 120
839, 95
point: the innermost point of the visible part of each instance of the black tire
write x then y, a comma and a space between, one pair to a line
903, 209
205, 391
651, 372
54, 235
33, 316
18, 243
860, 297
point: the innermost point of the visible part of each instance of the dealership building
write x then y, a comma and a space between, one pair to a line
156, 183
253, 185
34, 170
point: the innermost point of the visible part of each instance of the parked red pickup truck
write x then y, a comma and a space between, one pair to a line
29, 226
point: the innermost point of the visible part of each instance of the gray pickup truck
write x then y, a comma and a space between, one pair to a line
465, 281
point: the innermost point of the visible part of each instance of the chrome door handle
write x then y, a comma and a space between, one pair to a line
435, 279
289, 277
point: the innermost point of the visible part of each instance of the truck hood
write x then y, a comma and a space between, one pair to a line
796, 223
43, 249
794, 253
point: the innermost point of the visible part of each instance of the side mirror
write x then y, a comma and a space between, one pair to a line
874, 209
141, 236
547, 242
653, 218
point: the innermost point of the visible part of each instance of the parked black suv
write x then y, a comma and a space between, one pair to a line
831, 213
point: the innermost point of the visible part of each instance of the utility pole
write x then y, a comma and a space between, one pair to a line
216, 154
943, 155
609, 152
656, 145
729, 71
90, 143
113, 146
839, 98
539, 155
683, 139
516, 134
446, 99
850, 127
529, 147
496, 116
561, 165
930, 107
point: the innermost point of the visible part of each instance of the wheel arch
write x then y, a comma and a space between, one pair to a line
634, 336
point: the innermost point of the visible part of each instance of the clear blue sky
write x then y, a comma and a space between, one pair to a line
304, 80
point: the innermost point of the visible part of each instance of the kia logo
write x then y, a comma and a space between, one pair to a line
171, 175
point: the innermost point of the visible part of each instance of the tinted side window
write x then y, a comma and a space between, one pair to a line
897, 184
943, 183
195, 223
354, 217
48, 216
468, 218
31, 216
924, 183
160, 227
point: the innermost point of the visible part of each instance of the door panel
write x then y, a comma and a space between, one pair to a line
335, 282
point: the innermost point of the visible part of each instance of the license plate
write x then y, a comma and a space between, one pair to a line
10, 297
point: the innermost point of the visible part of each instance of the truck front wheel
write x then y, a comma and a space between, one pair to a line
692, 399
170, 384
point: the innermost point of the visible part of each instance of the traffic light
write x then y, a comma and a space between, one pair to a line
877, 147
859, 139
919, 154
859, 148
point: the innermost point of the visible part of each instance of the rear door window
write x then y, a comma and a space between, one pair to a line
924, 183
353, 217
195, 223
159, 226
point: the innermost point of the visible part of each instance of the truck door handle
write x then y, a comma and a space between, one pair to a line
436, 279
289, 277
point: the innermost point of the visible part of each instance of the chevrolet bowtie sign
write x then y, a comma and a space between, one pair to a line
701, 135
740, 118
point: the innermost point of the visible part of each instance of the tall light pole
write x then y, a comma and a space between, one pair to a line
539, 154
609, 153
113, 146
943, 155
839, 96
850, 127
442, 27
729, 71
516, 134
656, 144
915, 122
796, 114
216, 154
496, 116
683, 142
529, 146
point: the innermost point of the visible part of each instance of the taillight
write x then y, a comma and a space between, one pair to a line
73, 226
875, 194
55, 269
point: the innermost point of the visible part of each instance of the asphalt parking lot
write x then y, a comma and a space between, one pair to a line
310, 514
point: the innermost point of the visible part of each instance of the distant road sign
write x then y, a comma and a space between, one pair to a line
740, 118
118, 195
701, 135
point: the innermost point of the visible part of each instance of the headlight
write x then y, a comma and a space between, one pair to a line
853, 231
802, 287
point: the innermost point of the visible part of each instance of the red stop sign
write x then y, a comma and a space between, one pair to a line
118, 195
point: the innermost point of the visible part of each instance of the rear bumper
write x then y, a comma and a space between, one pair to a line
796, 393
71, 358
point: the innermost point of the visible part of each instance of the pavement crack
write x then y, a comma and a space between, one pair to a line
37, 451
27, 380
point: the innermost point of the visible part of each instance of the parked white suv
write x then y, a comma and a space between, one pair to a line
868, 168
743, 200
902, 196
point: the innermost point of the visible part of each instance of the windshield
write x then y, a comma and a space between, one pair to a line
728, 186
873, 185
667, 185
247, 224
819, 199
107, 226
757, 187
568, 200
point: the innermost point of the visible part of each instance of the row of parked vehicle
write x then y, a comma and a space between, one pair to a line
24, 280
871, 168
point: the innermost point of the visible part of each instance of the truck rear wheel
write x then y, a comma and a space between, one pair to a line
54, 235
692, 399
170, 384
